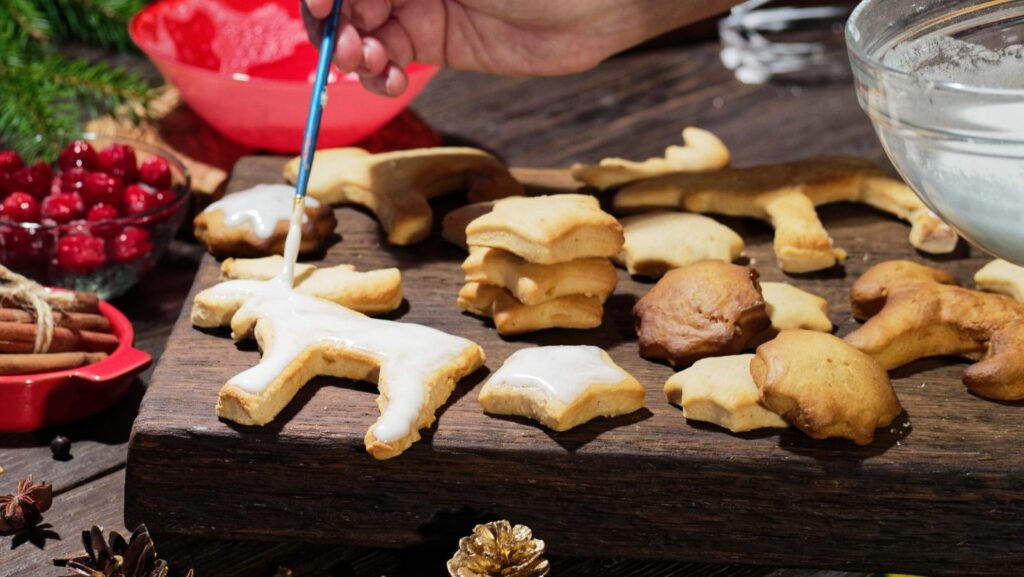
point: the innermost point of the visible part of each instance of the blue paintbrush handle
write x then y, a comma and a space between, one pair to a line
318, 99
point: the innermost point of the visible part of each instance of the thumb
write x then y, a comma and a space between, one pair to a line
319, 9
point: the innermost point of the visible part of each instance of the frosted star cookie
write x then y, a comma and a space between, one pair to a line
396, 186
721, 391
535, 284
254, 222
548, 229
302, 337
561, 387
823, 386
786, 195
512, 317
372, 292
1003, 278
661, 241
701, 151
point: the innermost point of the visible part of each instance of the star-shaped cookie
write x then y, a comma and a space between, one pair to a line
661, 241
720, 390
561, 387
535, 284
512, 317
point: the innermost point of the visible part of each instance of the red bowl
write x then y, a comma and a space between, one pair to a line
246, 67
29, 402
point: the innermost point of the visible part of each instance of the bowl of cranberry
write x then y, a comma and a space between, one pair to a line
95, 220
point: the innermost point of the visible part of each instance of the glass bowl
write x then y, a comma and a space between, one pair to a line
943, 84
32, 248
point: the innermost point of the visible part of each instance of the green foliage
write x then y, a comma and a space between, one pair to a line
44, 93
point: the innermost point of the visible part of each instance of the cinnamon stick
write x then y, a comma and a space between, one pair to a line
80, 321
21, 338
28, 363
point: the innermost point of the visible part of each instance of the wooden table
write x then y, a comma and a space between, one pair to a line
634, 106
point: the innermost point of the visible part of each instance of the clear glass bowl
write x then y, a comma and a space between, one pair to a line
943, 84
31, 248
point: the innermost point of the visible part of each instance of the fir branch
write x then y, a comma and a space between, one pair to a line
33, 119
98, 86
26, 20
100, 22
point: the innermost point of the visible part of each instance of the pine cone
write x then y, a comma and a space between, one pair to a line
499, 550
117, 558
24, 508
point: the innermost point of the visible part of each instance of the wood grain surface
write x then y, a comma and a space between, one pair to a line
936, 493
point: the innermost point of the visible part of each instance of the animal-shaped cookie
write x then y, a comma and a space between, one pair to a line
371, 292
701, 150
720, 390
534, 284
915, 311
661, 241
710, 308
823, 386
786, 195
302, 337
254, 222
1001, 277
396, 186
512, 317
561, 387
548, 229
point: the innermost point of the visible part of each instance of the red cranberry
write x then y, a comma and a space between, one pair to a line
64, 208
155, 172
102, 212
80, 253
20, 207
119, 160
71, 180
10, 161
132, 244
101, 188
6, 183
78, 154
138, 199
34, 179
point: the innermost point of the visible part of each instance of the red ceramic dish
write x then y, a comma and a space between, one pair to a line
32, 402
246, 67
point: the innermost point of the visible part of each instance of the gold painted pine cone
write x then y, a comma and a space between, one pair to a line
498, 549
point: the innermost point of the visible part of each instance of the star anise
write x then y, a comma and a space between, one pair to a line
24, 508
135, 557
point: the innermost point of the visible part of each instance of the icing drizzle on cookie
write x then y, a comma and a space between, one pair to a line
564, 372
409, 355
261, 208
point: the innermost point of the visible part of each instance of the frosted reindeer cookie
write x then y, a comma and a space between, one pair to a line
371, 292
396, 186
661, 241
720, 390
561, 387
254, 222
302, 337
512, 317
534, 284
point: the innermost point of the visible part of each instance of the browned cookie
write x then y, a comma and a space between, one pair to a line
707, 309
823, 386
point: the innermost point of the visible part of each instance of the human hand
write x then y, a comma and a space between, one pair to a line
377, 39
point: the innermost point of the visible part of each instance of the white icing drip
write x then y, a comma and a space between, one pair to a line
408, 354
293, 242
564, 372
261, 208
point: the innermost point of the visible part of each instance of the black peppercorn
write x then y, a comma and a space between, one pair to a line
61, 448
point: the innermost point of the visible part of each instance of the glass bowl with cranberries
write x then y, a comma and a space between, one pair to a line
95, 220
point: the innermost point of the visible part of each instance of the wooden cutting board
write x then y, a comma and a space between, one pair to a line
940, 492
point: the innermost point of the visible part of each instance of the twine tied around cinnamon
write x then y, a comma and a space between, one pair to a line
32, 295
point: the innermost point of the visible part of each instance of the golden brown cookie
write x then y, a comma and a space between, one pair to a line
786, 195
548, 229
823, 386
254, 222
792, 308
661, 241
1003, 278
396, 186
701, 151
720, 390
561, 387
512, 317
534, 284
707, 309
915, 311
453, 227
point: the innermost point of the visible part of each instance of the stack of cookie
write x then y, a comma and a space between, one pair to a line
541, 262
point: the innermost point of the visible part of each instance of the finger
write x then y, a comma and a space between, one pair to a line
392, 82
348, 52
375, 57
396, 41
369, 15
314, 26
319, 9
